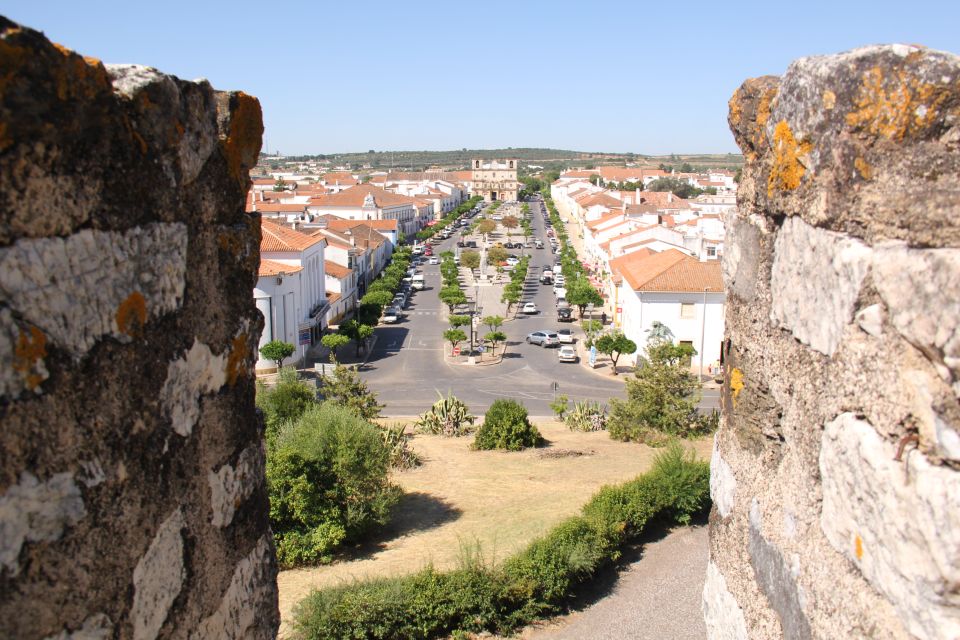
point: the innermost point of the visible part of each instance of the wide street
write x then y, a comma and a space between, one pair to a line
407, 368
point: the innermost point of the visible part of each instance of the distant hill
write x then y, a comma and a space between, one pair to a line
549, 159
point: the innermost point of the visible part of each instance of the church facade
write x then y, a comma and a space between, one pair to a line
495, 179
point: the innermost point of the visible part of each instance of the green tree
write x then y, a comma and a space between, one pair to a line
357, 332
661, 399
510, 296
581, 293
470, 259
379, 298
345, 388
458, 321
277, 351
280, 184
454, 337
506, 425
679, 188
495, 338
615, 344
452, 296
334, 341
494, 322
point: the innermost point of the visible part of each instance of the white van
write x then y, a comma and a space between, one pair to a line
418, 282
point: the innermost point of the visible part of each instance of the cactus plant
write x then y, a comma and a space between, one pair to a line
398, 443
449, 416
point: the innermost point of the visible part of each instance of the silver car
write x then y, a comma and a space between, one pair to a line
543, 338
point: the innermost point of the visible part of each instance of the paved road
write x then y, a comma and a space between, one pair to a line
407, 368
655, 598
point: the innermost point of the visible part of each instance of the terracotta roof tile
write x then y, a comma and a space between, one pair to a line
272, 268
354, 197
670, 270
279, 238
336, 270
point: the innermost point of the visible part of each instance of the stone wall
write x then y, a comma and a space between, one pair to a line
843, 345
132, 497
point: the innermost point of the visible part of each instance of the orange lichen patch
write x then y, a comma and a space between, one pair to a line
829, 100
243, 141
787, 169
896, 105
858, 547
132, 315
31, 348
736, 109
80, 76
863, 168
763, 107
237, 358
736, 384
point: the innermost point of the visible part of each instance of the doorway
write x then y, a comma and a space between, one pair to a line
493, 196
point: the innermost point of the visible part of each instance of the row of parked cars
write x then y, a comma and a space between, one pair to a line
562, 338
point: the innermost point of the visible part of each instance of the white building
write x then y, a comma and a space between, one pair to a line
369, 202
291, 290
676, 290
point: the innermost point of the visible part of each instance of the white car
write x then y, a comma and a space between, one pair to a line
513, 261
566, 336
529, 308
391, 315
567, 354
433, 260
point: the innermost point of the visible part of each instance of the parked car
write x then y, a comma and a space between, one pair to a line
530, 308
559, 291
391, 315
418, 282
472, 244
433, 260
566, 336
545, 279
567, 354
538, 244
428, 251
543, 338
565, 314
513, 261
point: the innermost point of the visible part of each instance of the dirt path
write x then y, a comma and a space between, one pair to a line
498, 500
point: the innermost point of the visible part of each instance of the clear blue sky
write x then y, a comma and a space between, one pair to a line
408, 74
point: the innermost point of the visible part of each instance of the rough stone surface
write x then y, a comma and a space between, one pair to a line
127, 345
841, 344
722, 614
867, 506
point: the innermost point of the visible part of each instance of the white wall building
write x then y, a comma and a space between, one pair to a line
677, 290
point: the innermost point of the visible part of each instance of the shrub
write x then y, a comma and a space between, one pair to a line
559, 406
327, 477
286, 400
535, 582
346, 389
506, 426
448, 416
277, 351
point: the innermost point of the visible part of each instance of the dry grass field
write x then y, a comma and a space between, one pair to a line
498, 500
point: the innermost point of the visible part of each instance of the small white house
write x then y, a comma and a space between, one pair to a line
678, 291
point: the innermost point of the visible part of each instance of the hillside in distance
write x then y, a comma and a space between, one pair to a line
548, 159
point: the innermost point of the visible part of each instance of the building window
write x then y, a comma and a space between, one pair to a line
711, 252
687, 310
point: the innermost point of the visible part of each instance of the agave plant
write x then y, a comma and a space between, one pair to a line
398, 443
448, 416
587, 415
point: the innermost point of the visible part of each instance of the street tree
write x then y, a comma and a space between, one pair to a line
452, 296
277, 351
615, 344
496, 255
454, 337
334, 341
486, 227
381, 298
510, 296
458, 321
495, 338
510, 223
581, 293
494, 322
357, 332
470, 259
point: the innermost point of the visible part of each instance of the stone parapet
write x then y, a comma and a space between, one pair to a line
836, 470
132, 494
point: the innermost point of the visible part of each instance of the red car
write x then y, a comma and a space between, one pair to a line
428, 251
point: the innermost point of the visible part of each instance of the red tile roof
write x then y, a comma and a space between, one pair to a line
279, 238
273, 268
355, 196
337, 271
670, 270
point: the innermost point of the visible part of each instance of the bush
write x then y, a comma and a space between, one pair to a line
277, 351
287, 400
346, 389
533, 583
506, 426
398, 444
327, 477
587, 415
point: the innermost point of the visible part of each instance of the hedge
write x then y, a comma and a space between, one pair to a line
534, 583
